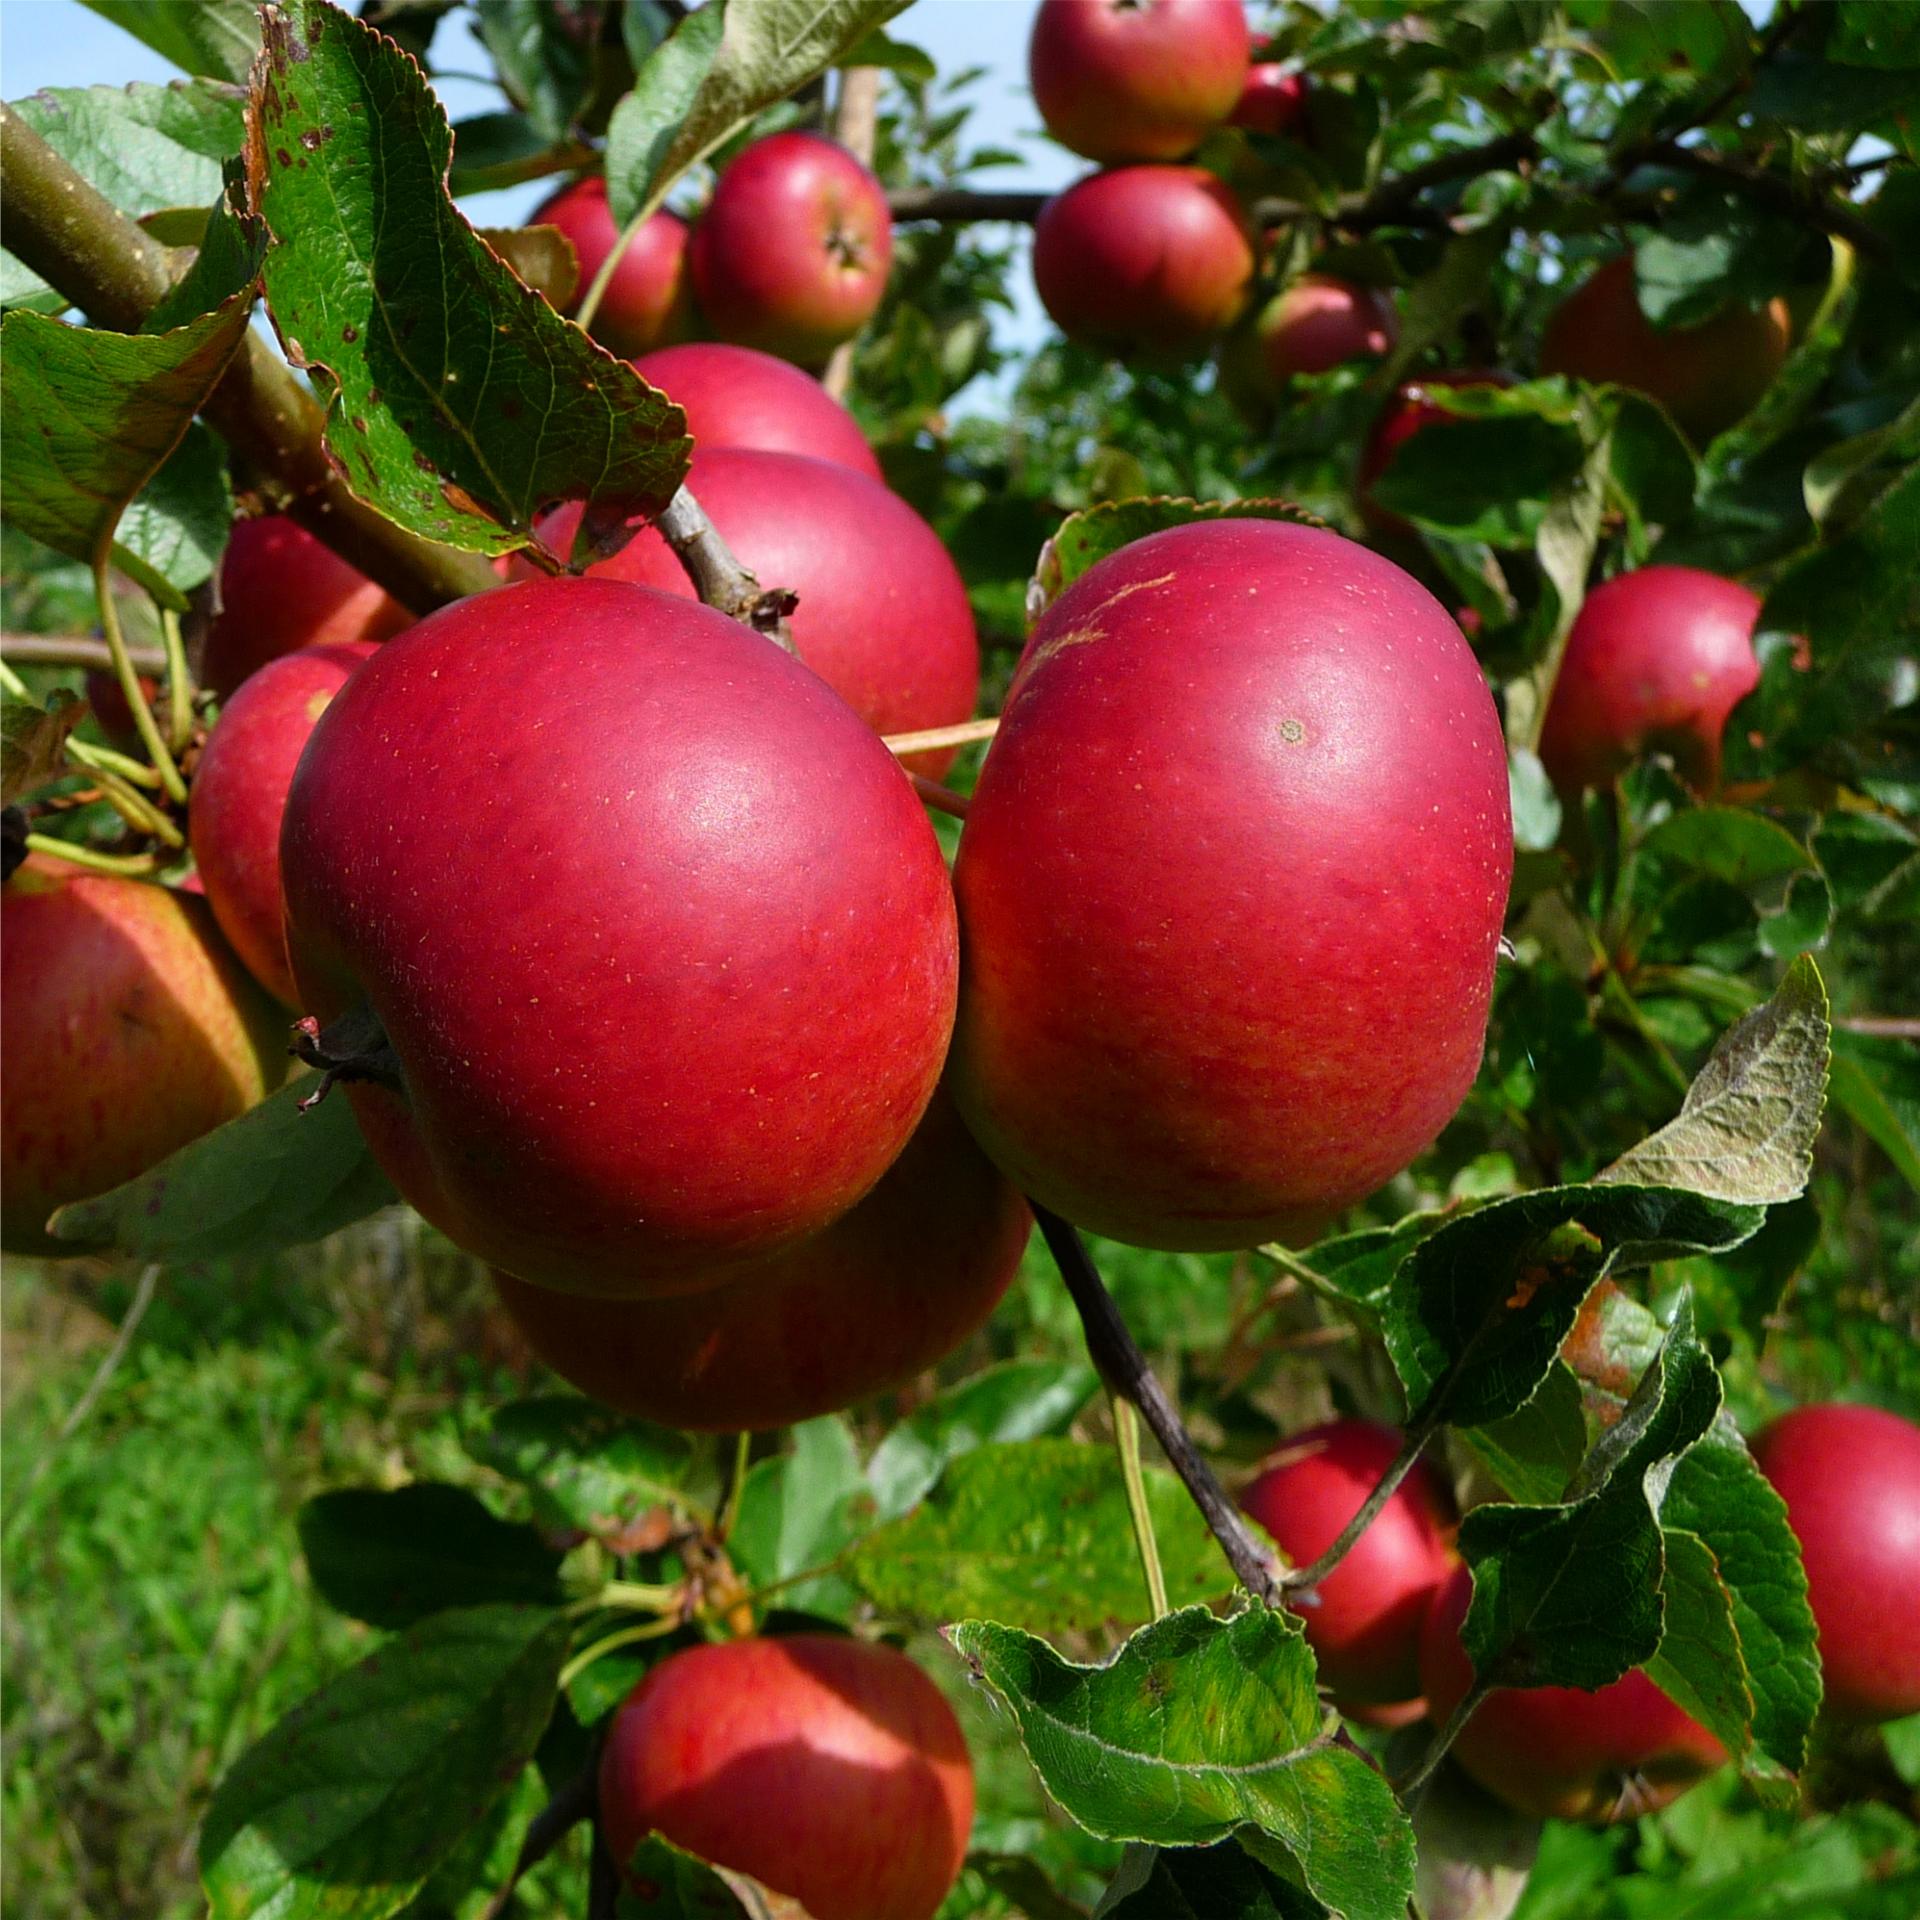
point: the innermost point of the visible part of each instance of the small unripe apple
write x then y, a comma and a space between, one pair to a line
655, 949
240, 793
884, 1293
1851, 1479
1562, 1753
1273, 99
737, 397
1408, 412
1656, 660
127, 1030
1232, 883
791, 255
1320, 321
647, 302
1708, 376
830, 1770
1365, 1627
1154, 259
281, 590
883, 616
1136, 79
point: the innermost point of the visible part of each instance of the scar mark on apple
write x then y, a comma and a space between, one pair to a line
1132, 586
1080, 636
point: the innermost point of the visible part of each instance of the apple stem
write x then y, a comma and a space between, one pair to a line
718, 577
940, 799
1117, 1358
354, 1047
736, 1485
1126, 1439
83, 856
130, 688
1409, 1786
1300, 1581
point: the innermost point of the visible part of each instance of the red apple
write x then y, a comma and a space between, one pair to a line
1273, 99
1407, 413
128, 1030
884, 1293
647, 301
829, 1770
281, 590
1656, 660
1708, 376
1231, 888
735, 397
1851, 1479
1136, 79
792, 252
659, 940
883, 616
1144, 258
240, 792
1320, 321
1561, 1753
1365, 1627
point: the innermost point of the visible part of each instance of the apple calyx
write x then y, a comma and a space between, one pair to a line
353, 1047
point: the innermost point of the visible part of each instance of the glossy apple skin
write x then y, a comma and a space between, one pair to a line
1708, 377
1231, 887
737, 397
1407, 413
1657, 659
240, 793
1320, 321
281, 590
1561, 1753
127, 1029
883, 616
828, 1769
1136, 79
663, 941
648, 301
791, 255
1144, 259
1365, 1631
1272, 101
1851, 1479
885, 1292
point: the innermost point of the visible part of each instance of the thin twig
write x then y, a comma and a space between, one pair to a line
572, 1804
718, 577
57, 650
603, 1878
932, 739
1777, 191
1118, 1359
1880, 1026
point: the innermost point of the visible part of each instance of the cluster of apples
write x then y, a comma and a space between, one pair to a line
1385, 1624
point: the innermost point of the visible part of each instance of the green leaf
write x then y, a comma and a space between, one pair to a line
646, 123
218, 38
1877, 1082
1813, 96
767, 49
393, 1557
1084, 539
663, 1883
463, 1886
911, 63
1483, 479
592, 1468
275, 1177
89, 416
1221, 1882
1037, 1534
33, 741
539, 53
1021, 1400
1707, 40
346, 1806
1570, 1595
1535, 805
799, 1511
1746, 1129
1199, 1728
458, 402
1535, 1451
179, 521
1714, 248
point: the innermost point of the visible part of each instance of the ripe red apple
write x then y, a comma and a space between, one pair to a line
1708, 376
883, 616
240, 792
829, 1770
735, 397
1273, 99
1561, 1753
660, 941
791, 255
1365, 1629
1136, 79
647, 301
1851, 1479
1407, 413
281, 590
127, 1029
885, 1292
1657, 659
1320, 321
1231, 887
1153, 258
